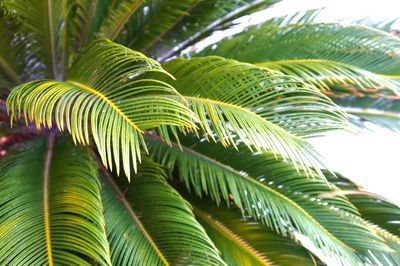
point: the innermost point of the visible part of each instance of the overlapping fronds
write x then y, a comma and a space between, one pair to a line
243, 241
154, 19
118, 14
367, 48
372, 207
325, 74
50, 207
263, 108
204, 18
105, 94
152, 224
272, 192
44, 22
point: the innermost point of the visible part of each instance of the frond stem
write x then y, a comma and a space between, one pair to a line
10, 72
121, 197
46, 184
125, 19
50, 33
231, 236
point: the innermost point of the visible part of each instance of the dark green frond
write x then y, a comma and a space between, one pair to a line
272, 191
154, 19
203, 18
364, 47
118, 15
105, 94
152, 225
243, 241
44, 21
50, 207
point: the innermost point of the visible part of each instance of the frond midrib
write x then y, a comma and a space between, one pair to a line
254, 182
46, 184
231, 236
115, 32
9, 70
105, 99
122, 199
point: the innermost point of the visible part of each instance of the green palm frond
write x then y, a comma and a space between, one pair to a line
9, 64
43, 21
243, 241
366, 48
118, 15
272, 191
152, 224
264, 108
372, 207
203, 19
106, 90
50, 207
325, 74
155, 19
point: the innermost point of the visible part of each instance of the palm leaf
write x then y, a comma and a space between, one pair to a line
152, 224
106, 90
154, 19
272, 192
50, 207
205, 18
243, 241
43, 21
325, 74
9, 65
119, 13
263, 108
372, 207
366, 48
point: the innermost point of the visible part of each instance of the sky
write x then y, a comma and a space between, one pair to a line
371, 157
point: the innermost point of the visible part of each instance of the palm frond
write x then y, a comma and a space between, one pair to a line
325, 74
50, 207
372, 207
152, 224
154, 19
263, 108
43, 21
9, 49
366, 48
106, 90
204, 18
119, 13
243, 241
272, 192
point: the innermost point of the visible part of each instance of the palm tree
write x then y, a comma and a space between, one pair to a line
118, 150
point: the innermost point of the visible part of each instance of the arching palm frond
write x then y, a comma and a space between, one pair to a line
272, 192
366, 48
204, 18
325, 74
118, 15
105, 89
152, 224
372, 207
243, 241
263, 108
50, 207
153, 21
44, 22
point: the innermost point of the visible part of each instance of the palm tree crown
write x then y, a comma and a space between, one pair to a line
119, 150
